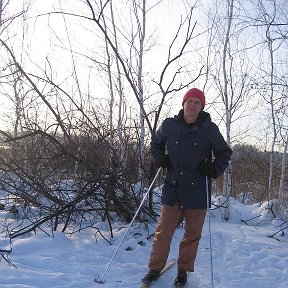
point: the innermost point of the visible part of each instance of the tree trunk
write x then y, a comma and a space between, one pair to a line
1, 9
141, 33
271, 102
282, 177
227, 174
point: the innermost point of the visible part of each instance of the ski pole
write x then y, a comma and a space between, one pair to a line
210, 238
101, 281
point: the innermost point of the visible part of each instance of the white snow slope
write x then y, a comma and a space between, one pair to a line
243, 256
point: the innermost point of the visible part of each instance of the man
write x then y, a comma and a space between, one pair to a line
185, 146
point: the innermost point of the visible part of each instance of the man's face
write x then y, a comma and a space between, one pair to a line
192, 107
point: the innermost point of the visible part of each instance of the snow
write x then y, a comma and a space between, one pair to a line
243, 255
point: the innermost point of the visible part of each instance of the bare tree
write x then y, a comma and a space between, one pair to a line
272, 107
1, 11
137, 49
231, 80
271, 18
227, 173
283, 170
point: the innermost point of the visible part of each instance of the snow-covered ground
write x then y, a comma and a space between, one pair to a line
243, 256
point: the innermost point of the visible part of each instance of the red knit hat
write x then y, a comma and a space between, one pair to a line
194, 92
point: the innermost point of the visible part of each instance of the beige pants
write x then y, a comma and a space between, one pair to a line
167, 224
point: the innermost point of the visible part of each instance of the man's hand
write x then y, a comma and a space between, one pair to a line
207, 169
163, 161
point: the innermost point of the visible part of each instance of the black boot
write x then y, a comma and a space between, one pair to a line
181, 279
151, 276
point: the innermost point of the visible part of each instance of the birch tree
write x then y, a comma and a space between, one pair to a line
282, 186
271, 21
15, 94
272, 107
231, 79
227, 173
119, 88
1, 11
141, 24
235, 78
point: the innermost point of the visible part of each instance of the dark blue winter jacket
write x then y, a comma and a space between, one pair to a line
186, 146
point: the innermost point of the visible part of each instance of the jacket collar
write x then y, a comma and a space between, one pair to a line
200, 121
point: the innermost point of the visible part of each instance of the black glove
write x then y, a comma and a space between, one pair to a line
207, 169
163, 161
